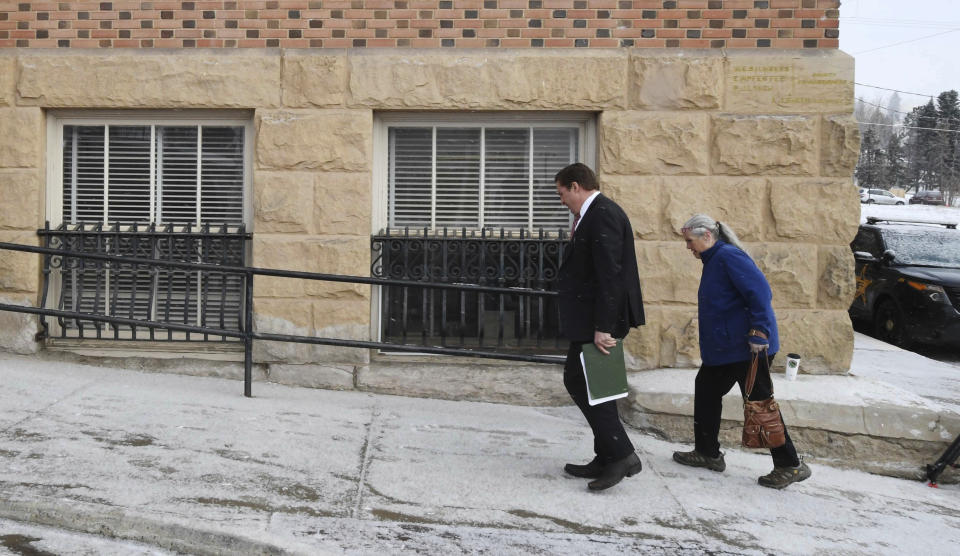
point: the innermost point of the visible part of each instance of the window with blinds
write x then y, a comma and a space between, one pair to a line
478, 176
153, 173
188, 182
470, 198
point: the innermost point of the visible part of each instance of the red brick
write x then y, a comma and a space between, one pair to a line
424, 43
471, 43
716, 14
785, 23
717, 33
808, 33
787, 43
381, 42
362, 23
671, 33
762, 33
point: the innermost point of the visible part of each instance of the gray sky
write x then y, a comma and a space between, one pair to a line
922, 65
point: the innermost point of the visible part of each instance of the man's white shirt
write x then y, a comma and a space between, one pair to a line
585, 206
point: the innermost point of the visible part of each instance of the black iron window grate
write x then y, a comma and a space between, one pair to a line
499, 258
144, 292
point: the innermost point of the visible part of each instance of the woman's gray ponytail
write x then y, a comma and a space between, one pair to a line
701, 223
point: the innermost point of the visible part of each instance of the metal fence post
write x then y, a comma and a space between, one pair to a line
248, 336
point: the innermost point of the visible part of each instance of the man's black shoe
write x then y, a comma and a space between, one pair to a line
591, 470
614, 472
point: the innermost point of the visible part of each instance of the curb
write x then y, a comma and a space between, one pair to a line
117, 523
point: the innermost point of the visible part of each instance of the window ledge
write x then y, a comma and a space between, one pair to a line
210, 351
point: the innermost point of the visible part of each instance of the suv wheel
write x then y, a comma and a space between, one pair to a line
869, 201
888, 324
899, 202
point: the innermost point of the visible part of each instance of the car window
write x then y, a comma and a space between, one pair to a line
866, 241
926, 247
886, 194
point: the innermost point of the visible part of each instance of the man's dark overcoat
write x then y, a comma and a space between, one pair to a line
598, 281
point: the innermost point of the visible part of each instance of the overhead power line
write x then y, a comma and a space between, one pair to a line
900, 111
881, 106
912, 127
905, 42
897, 20
912, 23
895, 90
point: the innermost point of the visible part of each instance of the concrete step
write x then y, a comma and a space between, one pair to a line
847, 421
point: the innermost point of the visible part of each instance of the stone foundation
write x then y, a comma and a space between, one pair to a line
763, 141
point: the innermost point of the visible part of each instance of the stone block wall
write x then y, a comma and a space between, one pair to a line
763, 141
421, 24
21, 194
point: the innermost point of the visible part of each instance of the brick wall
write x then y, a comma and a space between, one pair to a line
421, 24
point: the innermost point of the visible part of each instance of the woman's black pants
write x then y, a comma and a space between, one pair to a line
610, 440
713, 381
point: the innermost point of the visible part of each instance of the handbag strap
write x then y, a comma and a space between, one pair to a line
752, 373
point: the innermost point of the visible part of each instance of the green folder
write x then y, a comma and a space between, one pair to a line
606, 375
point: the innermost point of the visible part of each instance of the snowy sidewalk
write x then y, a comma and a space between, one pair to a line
894, 412
188, 464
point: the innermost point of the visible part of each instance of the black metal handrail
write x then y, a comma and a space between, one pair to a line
246, 332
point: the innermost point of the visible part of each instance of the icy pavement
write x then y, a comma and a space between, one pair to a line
25, 539
187, 464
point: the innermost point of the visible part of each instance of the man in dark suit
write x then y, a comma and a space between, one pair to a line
600, 301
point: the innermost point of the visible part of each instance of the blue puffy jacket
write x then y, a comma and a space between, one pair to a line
734, 297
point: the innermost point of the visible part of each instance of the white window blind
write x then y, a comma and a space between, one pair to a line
182, 175
171, 174
478, 176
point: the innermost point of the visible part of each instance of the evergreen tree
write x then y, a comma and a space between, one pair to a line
894, 168
948, 157
878, 119
922, 145
870, 165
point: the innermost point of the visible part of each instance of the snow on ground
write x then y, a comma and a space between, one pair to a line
23, 538
162, 456
923, 213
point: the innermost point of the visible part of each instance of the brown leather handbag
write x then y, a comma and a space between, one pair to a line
762, 424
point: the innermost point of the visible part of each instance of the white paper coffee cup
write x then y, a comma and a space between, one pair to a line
793, 366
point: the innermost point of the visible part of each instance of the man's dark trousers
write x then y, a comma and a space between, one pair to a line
610, 440
713, 381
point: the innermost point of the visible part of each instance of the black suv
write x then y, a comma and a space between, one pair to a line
908, 281
928, 197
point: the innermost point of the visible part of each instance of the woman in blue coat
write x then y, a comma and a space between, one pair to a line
736, 320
